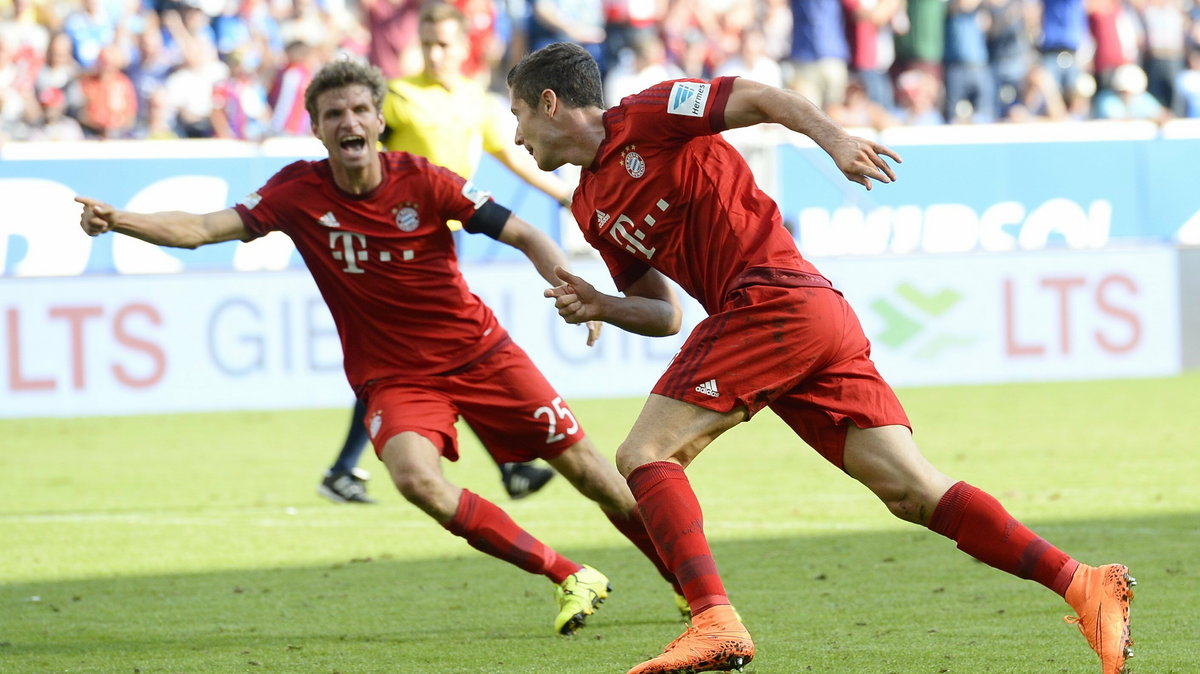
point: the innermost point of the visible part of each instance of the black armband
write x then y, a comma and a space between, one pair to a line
489, 219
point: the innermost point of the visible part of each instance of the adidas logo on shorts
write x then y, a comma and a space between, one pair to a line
708, 388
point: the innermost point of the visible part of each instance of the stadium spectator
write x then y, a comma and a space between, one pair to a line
25, 33
392, 25
1127, 98
1079, 106
1064, 27
873, 46
158, 123
152, 65
91, 27
750, 61
970, 89
820, 52
55, 124
1165, 23
248, 26
419, 347
777, 333
918, 93
578, 21
1113, 37
1187, 87
60, 67
448, 118
776, 24
644, 62
624, 20
923, 44
1009, 48
239, 105
18, 105
483, 49
189, 87
308, 24
1039, 99
286, 95
104, 99
859, 111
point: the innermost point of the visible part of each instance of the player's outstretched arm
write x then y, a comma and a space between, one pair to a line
649, 306
168, 228
859, 159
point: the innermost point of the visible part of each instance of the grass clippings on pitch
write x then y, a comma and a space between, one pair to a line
196, 543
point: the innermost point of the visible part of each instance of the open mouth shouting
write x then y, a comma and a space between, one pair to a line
353, 145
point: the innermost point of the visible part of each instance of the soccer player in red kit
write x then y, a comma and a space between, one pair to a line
662, 195
418, 346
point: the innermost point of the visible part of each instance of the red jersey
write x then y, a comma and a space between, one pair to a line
666, 191
385, 263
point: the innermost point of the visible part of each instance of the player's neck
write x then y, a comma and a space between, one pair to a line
358, 180
591, 135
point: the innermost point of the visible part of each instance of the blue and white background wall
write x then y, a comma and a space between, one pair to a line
1001, 254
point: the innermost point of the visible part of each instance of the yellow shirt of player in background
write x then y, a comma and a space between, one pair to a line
450, 128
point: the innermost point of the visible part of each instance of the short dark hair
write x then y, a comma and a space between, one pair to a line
343, 73
563, 67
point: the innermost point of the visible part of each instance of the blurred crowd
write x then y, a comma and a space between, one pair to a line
72, 69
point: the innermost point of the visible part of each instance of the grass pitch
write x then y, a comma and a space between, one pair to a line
196, 543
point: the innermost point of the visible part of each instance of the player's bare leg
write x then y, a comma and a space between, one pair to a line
887, 461
414, 464
666, 437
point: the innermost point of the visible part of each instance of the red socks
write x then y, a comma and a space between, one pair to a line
490, 530
983, 529
631, 525
676, 525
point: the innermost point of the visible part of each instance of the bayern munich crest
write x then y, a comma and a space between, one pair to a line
634, 164
407, 219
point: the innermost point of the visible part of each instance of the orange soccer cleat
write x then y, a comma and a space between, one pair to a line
1100, 596
716, 641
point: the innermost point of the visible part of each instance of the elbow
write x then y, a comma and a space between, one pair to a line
670, 323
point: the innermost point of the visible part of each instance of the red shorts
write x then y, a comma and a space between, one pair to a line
503, 398
800, 351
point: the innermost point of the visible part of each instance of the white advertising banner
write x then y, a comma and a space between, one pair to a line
99, 345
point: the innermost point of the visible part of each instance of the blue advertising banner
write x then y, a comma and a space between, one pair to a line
995, 197
39, 231
951, 197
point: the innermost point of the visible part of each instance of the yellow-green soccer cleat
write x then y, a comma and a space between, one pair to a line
578, 597
685, 611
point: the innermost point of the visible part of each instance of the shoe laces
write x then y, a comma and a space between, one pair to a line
689, 632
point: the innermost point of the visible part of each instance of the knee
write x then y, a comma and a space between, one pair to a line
630, 457
418, 489
910, 504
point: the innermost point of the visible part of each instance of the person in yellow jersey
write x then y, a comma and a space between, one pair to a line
451, 120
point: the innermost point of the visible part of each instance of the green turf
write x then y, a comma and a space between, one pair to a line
196, 543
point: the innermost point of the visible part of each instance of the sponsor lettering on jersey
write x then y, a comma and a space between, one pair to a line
688, 98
